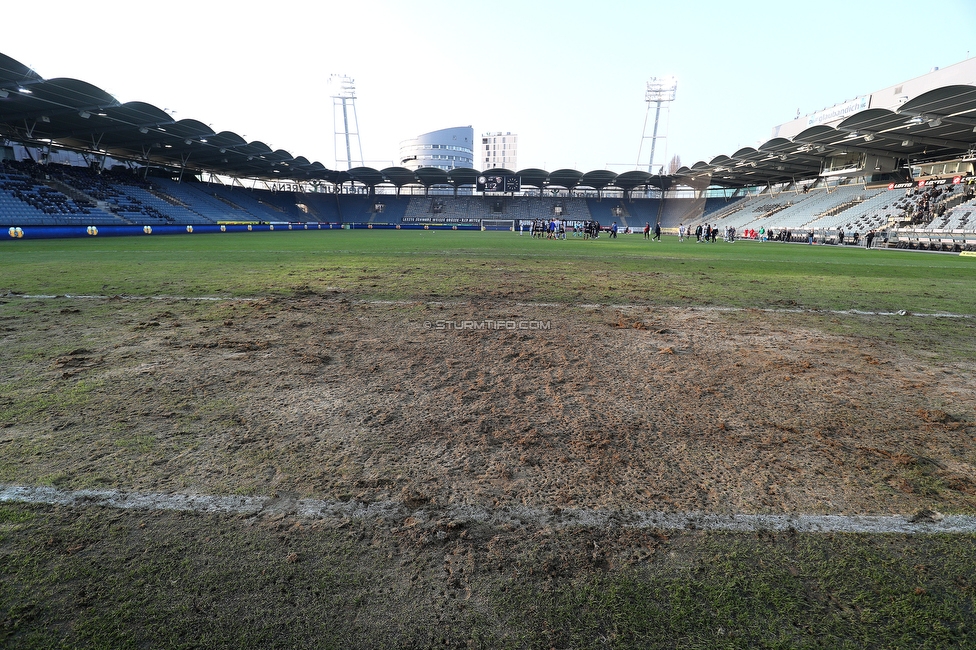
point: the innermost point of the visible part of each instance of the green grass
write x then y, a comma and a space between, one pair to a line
96, 578
493, 265
102, 578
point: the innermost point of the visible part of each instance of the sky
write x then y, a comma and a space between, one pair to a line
567, 77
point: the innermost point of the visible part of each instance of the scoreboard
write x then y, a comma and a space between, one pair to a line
500, 183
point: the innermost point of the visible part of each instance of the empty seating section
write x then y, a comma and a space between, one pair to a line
387, 209
198, 200
60, 195
115, 192
646, 211
874, 212
962, 217
250, 201
25, 199
357, 208
847, 207
604, 211
867, 212
323, 208
683, 211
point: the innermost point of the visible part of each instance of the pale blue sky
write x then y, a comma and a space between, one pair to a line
568, 77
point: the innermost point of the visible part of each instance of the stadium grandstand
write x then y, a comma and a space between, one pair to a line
898, 163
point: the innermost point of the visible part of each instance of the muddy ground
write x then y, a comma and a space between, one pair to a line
593, 407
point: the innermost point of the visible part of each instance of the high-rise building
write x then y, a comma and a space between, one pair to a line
445, 149
499, 151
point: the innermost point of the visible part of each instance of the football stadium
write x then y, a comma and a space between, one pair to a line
247, 400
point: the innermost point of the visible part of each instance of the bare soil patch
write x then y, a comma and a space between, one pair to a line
630, 408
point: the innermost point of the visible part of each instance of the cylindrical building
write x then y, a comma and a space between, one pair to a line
445, 149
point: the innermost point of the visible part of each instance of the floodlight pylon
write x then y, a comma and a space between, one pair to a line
660, 92
344, 106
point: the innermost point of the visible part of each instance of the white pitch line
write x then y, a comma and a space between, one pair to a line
929, 523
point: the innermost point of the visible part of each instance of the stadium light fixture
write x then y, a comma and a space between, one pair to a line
869, 137
4, 94
84, 115
143, 130
25, 91
936, 122
907, 143
659, 91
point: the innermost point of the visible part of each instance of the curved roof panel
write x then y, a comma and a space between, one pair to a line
366, 175
817, 134
399, 176
188, 128
463, 176
279, 156
777, 144
138, 114
630, 180
747, 154
567, 178
499, 171
598, 178
61, 96
949, 101
431, 176
873, 119
227, 139
256, 149
534, 177
14, 73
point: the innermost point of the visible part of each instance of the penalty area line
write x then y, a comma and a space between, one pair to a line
925, 522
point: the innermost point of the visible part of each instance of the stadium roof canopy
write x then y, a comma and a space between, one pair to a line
936, 125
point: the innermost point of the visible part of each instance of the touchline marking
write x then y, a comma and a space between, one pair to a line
67, 296
923, 523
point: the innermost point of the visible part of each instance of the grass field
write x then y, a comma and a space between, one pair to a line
89, 327
441, 264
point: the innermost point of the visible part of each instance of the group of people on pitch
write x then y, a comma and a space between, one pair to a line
551, 229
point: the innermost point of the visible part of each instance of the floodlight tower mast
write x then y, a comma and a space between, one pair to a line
660, 91
344, 105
